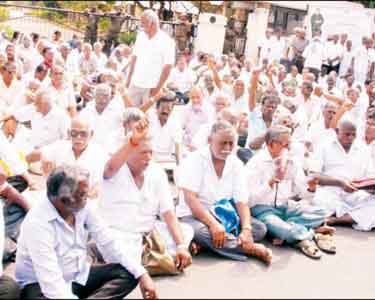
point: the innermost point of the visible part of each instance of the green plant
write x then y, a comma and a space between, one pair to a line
8, 30
128, 37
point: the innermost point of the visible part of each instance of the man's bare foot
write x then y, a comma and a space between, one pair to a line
331, 221
260, 251
277, 242
325, 229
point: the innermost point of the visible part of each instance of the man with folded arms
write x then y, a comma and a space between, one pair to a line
52, 251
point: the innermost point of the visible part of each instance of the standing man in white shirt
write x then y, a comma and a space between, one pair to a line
264, 46
334, 55
315, 55
152, 61
52, 254
347, 57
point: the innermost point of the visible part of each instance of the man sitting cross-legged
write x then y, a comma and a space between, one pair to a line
211, 174
136, 192
52, 250
338, 163
271, 197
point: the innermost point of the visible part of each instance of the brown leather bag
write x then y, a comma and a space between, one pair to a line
155, 257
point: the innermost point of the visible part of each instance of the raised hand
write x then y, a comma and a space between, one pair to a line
139, 130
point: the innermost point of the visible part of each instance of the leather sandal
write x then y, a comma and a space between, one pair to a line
309, 249
325, 243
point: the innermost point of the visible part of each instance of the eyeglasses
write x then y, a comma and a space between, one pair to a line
77, 133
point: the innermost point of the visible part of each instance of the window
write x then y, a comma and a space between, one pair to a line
285, 18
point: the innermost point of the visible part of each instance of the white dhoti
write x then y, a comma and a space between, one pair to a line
132, 242
359, 205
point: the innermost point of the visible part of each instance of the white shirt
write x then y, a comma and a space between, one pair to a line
332, 160
241, 104
306, 114
164, 138
191, 120
93, 158
152, 55
52, 253
63, 97
49, 128
8, 95
104, 124
183, 80
278, 48
318, 134
200, 139
314, 54
333, 51
261, 168
346, 62
136, 210
102, 60
266, 46
199, 176
9, 154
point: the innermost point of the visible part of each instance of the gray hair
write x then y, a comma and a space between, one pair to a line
133, 114
273, 134
221, 125
64, 180
81, 120
44, 95
103, 88
151, 16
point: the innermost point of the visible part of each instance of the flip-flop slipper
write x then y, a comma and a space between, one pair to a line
309, 249
325, 243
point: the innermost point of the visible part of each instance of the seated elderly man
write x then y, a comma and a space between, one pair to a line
214, 174
147, 196
50, 124
103, 115
271, 199
78, 149
8, 288
52, 251
195, 114
338, 163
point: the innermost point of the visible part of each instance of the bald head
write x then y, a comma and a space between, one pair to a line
346, 134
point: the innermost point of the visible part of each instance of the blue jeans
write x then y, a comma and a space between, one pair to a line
291, 224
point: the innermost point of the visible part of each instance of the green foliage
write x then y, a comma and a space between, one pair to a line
8, 30
128, 37
103, 24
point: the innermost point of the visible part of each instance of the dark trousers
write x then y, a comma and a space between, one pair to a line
326, 69
108, 281
298, 61
8, 288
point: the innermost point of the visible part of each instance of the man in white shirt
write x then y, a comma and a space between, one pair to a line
8, 288
264, 46
334, 55
363, 60
315, 55
346, 61
275, 186
147, 196
182, 78
79, 150
337, 164
103, 114
308, 111
211, 174
68, 60
166, 132
240, 99
52, 254
195, 114
62, 91
88, 63
278, 45
100, 56
149, 70
10, 88
50, 124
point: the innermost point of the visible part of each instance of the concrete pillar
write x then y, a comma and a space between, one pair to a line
256, 27
211, 33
